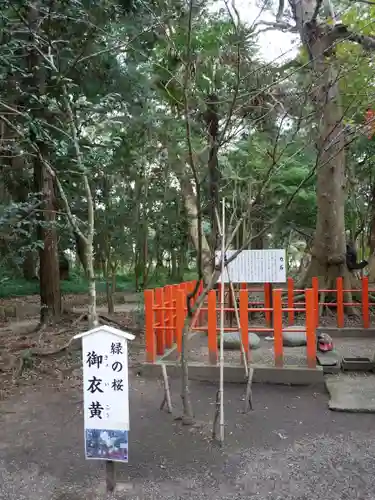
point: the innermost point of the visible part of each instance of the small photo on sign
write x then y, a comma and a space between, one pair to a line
106, 444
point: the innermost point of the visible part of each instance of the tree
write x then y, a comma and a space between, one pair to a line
320, 38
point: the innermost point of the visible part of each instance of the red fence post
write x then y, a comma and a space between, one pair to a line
290, 301
212, 335
310, 329
365, 303
180, 317
315, 287
175, 289
267, 302
278, 327
340, 302
244, 321
149, 326
168, 303
159, 318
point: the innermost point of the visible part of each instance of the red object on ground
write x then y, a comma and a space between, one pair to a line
325, 343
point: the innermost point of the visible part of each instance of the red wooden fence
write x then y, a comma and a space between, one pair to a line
166, 310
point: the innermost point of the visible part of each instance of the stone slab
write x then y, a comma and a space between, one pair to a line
331, 358
351, 393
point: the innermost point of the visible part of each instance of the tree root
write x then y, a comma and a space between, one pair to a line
42, 353
132, 329
18, 371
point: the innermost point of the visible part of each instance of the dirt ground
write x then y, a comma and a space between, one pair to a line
290, 447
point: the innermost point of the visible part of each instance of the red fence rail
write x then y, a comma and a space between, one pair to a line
166, 310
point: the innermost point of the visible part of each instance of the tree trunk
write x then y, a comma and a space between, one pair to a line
207, 260
174, 273
49, 275
328, 259
212, 123
64, 266
110, 283
257, 243
181, 263
372, 237
92, 314
29, 266
49, 271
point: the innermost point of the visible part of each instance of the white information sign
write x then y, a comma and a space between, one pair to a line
106, 393
256, 266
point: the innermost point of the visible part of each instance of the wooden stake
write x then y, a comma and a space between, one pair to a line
217, 414
110, 476
249, 392
167, 394
223, 265
244, 357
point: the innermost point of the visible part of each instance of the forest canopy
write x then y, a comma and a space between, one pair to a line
124, 123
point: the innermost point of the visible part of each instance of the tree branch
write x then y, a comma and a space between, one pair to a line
278, 25
317, 9
341, 32
274, 220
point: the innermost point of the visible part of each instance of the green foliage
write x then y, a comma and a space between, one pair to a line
138, 105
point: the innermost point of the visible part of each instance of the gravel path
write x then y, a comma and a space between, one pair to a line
291, 448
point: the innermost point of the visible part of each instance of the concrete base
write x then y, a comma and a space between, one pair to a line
289, 375
331, 370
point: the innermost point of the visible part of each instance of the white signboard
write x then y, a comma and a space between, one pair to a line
106, 393
256, 266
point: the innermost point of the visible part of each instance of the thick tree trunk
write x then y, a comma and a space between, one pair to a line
328, 259
190, 202
49, 274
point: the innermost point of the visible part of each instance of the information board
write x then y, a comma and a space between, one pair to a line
256, 266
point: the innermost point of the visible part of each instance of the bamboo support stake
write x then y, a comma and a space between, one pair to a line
167, 393
244, 357
249, 392
222, 324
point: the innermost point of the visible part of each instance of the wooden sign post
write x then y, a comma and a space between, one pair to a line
106, 396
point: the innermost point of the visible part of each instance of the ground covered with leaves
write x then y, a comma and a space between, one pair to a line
29, 353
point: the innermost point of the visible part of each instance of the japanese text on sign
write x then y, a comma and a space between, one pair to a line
256, 266
105, 374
